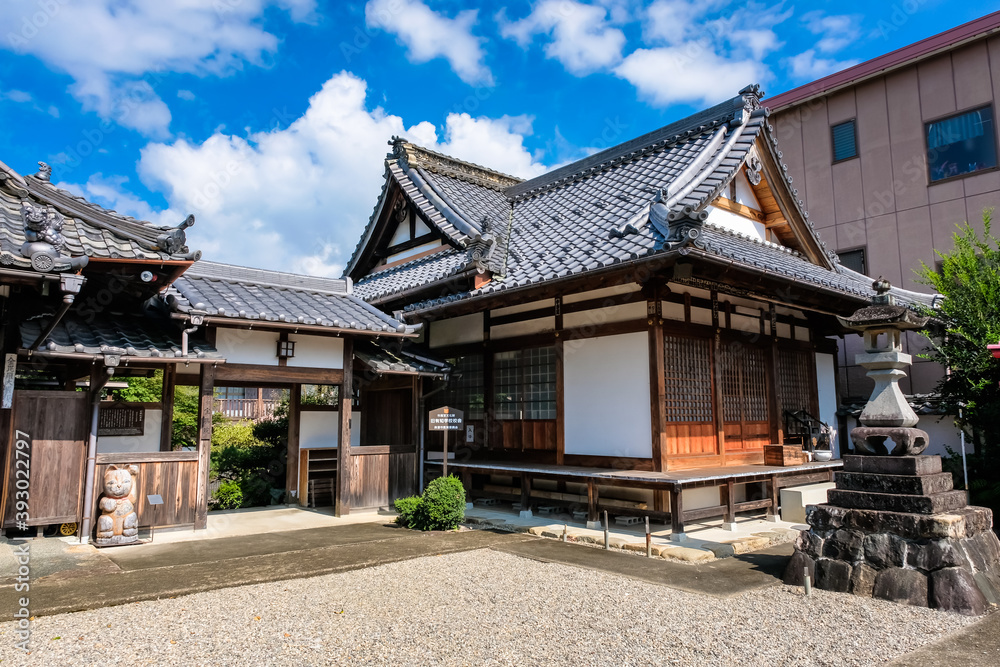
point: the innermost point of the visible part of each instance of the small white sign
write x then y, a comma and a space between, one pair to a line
154, 499
9, 373
470, 433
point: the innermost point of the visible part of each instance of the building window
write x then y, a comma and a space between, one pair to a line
687, 379
525, 384
854, 260
845, 143
465, 388
961, 144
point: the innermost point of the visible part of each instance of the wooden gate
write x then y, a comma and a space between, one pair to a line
384, 467
55, 423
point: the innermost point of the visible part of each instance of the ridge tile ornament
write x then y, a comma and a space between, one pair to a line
895, 528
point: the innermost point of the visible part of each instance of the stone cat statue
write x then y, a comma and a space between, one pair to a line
118, 523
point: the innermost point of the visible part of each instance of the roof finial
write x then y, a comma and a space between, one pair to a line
752, 96
44, 172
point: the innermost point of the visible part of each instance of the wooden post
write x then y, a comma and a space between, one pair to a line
560, 402
728, 491
342, 504
292, 458
591, 502
657, 388
167, 405
773, 405
444, 459
415, 418
525, 493
676, 515
206, 399
772, 512
718, 400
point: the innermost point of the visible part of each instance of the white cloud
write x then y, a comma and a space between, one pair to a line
186, 95
297, 198
690, 73
428, 35
581, 37
110, 193
835, 31
19, 96
117, 50
806, 66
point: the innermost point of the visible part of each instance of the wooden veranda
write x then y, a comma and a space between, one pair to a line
672, 483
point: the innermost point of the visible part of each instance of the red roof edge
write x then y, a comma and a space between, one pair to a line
890, 61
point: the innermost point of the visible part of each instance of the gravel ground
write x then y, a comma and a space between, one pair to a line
479, 608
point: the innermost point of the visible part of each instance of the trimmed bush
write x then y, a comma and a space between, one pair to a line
407, 510
229, 496
441, 507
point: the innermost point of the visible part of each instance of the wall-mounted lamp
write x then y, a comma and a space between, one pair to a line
286, 349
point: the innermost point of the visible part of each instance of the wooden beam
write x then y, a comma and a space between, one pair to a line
281, 374
206, 399
292, 459
167, 405
657, 388
739, 209
560, 404
342, 491
773, 406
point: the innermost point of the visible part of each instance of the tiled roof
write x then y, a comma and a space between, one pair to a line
150, 336
460, 199
241, 293
87, 229
403, 358
613, 207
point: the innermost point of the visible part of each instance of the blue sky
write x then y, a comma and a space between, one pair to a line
268, 119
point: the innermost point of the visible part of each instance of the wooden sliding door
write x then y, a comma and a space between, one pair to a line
744, 396
689, 423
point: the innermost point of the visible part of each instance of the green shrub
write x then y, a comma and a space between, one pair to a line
272, 431
407, 508
229, 496
441, 507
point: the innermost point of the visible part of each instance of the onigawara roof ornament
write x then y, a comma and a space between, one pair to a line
43, 240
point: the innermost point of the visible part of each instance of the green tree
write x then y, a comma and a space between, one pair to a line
963, 324
142, 389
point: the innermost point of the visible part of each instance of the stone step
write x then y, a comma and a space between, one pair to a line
910, 485
889, 502
964, 522
893, 465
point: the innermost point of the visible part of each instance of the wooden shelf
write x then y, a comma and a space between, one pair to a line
317, 465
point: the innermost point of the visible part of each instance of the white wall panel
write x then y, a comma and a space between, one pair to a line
322, 429
607, 396
243, 346
317, 351
148, 442
457, 330
826, 386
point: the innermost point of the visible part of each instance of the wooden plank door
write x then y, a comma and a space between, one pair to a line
56, 422
687, 387
744, 397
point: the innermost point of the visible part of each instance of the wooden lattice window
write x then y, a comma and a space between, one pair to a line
466, 389
524, 383
688, 379
744, 383
795, 387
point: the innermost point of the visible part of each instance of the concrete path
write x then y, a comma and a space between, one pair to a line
976, 645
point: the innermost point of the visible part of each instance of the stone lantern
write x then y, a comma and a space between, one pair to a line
895, 528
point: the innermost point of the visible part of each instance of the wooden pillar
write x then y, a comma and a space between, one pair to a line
772, 512
342, 491
728, 491
489, 402
525, 493
167, 405
415, 418
773, 405
718, 400
560, 404
676, 514
206, 399
292, 459
657, 388
592, 501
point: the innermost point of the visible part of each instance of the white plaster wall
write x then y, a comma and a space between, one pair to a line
744, 192
601, 293
737, 223
457, 330
745, 323
316, 351
148, 442
672, 311
701, 316
319, 428
696, 499
523, 307
826, 386
525, 328
242, 346
412, 252
802, 334
598, 316
607, 396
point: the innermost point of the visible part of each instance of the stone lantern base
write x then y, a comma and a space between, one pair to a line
895, 529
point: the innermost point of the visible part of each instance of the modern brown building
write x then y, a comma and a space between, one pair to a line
891, 154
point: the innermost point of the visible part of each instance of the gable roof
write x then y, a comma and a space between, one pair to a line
226, 293
461, 201
644, 198
69, 230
